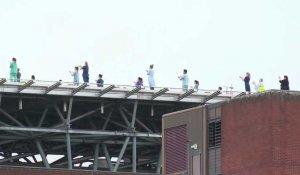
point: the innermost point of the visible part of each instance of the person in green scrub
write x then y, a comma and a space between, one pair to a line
13, 70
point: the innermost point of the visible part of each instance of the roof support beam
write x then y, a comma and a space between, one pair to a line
10, 117
61, 116
159, 162
79, 88
69, 152
52, 87
2, 81
107, 156
159, 93
96, 155
75, 161
133, 91
43, 116
16, 157
106, 90
134, 154
26, 85
42, 153
187, 93
80, 131
138, 121
121, 154
240, 95
107, 120
211, 96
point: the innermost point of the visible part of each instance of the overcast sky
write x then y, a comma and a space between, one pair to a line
215, 40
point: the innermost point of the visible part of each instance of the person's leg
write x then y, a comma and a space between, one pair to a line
15, 77
85, 78
11, 77
185, 88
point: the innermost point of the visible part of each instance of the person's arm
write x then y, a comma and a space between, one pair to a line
72, 73
181, 77
242, 78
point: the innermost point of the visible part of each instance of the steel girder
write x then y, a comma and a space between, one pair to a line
115, 130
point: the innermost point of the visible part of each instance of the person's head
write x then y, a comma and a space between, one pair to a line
32, 77
196, 82
76, 68
140, 79
247, 74
100, 75
86, 63
261, 80
184, 71
151, 66
14, 59
286, 77
18, 69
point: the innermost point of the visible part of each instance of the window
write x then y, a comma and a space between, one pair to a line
214, 133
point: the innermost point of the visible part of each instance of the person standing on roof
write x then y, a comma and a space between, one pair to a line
185, 80
284, 84
100, 81
85, 72
13, 70
150, 74
139, 82
18, 75
260, 87
246, 80
196, 85
75, 75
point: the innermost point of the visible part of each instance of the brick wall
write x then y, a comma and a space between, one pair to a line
261, 135
4, 170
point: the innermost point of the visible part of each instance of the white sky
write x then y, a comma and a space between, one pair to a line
216, 40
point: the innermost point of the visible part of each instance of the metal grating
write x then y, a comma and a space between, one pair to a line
214, 133
176, 154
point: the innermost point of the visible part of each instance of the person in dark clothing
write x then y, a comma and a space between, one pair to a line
246, 79
284, 84
100, 81
18, 75
85, 72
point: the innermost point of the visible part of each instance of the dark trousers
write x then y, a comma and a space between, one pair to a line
85, 78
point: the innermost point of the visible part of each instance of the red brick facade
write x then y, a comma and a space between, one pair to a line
261, 135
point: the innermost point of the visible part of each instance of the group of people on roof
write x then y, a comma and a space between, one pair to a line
15, 76
259, 87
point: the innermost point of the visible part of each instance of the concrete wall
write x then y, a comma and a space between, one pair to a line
36, 171
261, 135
